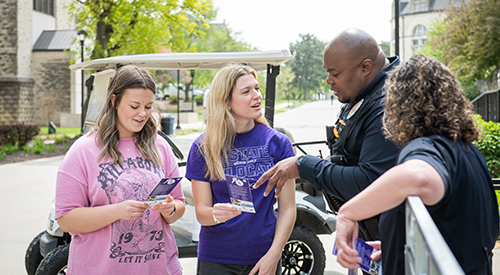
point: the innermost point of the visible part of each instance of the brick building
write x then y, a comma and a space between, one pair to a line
36, 85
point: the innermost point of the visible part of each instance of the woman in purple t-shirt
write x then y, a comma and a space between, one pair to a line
238, 143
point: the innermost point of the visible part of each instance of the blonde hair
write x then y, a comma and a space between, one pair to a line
107, 136
220, 130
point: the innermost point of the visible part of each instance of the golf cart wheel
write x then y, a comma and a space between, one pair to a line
55, 262
33, 257
303, 253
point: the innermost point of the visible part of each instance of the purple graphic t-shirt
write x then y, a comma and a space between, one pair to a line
143, 246
244, 239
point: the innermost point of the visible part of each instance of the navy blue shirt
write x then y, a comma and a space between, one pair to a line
376, 154
466, 216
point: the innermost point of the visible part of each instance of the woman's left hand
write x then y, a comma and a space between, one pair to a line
166, 207
347, 231
266, 265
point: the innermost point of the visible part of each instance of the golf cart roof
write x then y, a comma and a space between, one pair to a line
178, 61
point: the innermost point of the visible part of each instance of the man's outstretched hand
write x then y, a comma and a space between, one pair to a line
278, 175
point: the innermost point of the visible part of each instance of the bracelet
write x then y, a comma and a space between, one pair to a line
173, 212
215, 219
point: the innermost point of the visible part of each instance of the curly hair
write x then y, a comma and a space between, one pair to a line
424, 98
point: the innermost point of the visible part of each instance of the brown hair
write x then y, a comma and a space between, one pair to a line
107, 136
424, 98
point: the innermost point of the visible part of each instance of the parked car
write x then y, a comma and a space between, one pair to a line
303, 253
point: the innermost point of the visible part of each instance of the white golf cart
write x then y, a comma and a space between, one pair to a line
303, 254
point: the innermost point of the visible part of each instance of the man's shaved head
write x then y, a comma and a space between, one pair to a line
352, 60
358, 43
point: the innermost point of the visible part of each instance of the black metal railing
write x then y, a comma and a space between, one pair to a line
496, 183
487, 105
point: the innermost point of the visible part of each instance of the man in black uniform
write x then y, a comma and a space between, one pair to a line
357, 69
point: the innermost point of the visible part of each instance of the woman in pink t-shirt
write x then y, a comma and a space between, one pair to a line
104, 179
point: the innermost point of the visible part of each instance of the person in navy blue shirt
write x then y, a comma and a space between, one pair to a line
357, 69
427, 114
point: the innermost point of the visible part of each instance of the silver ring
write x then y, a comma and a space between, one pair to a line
340, 251
215, 219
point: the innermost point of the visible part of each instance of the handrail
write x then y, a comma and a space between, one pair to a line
426, 252
496, 183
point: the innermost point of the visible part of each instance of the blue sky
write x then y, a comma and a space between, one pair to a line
274, 24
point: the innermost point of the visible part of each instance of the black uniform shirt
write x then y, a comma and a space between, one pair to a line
467, 215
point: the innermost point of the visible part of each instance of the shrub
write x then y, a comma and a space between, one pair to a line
198, 99
59, 139
9, 149
489, 144
173, 99
38, 147
19, 134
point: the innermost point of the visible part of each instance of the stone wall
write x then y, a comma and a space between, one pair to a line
8, 38
52, 86
488, 84
16, 88
24, 37
16, 100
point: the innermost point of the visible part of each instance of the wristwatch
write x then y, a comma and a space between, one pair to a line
173, 212
299, 160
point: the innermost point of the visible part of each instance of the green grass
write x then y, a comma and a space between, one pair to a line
70, 131
184, 132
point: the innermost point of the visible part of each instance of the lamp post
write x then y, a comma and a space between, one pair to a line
192, 91
81, 36
178, 103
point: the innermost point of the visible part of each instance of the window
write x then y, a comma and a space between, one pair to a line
418, 5
45, 6
420, 30
417, 44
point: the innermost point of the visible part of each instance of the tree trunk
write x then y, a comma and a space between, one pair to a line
103, 32
186, 91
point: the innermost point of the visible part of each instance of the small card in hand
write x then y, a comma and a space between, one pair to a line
364, 252
240, 193
162, 190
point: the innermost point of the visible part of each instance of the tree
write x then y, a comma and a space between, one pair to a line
468, 39
386, 48
141, 26
284, 87
307, 66
219, 38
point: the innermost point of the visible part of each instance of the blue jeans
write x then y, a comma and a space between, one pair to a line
210, 268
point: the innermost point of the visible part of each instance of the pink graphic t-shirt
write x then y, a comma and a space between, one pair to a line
143, 246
